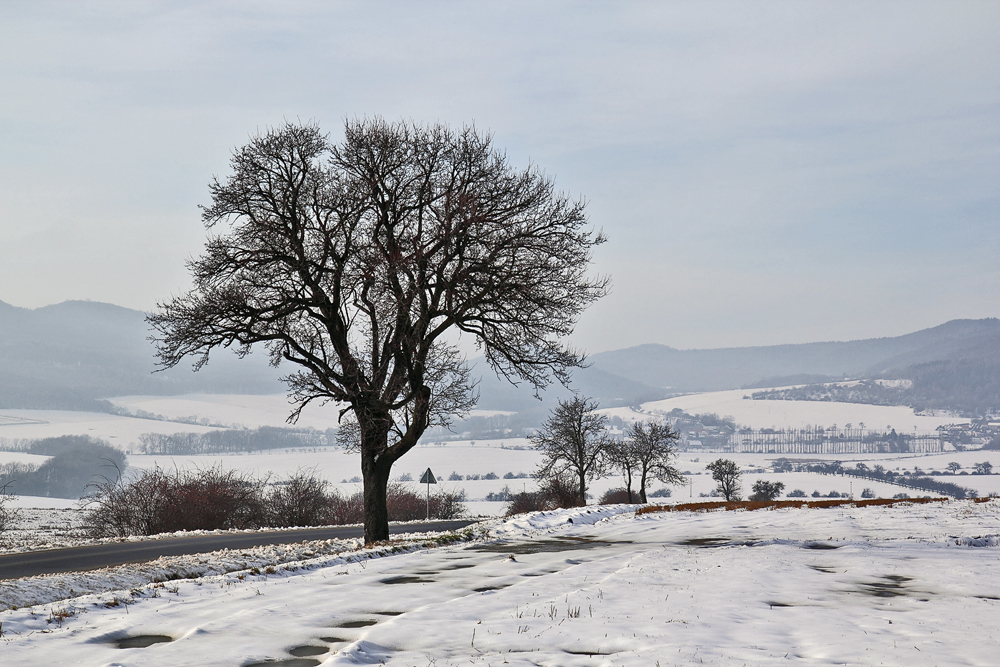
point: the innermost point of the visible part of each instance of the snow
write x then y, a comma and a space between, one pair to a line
234, 410
789, 414
120, 431
895, 585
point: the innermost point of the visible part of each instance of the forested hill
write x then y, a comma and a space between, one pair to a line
733, 368
71, 355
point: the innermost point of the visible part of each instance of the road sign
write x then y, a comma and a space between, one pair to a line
428, 479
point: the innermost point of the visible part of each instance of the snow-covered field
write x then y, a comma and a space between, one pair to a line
788, 414
824, 586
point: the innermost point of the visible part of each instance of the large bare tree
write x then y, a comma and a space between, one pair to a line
358, 261
574, 441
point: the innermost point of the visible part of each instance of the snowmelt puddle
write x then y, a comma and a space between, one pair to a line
543, 546
142, 641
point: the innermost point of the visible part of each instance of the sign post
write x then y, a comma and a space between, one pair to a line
428, 479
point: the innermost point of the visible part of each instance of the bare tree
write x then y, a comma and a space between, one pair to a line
726, 473
652, 445
573, 440
356, 261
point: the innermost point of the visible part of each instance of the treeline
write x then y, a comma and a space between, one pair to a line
234, 440
913, 480
77, 462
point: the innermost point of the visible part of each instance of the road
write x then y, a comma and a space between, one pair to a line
78, 559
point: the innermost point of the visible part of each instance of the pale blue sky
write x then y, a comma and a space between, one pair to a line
766, 172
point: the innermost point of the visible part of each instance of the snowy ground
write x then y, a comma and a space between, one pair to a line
788, 414
832, 586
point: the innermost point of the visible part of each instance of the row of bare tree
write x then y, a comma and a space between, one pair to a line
575, 443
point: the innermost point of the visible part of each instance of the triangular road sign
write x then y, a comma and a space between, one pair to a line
428, 477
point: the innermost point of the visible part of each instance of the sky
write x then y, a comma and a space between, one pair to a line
765, 172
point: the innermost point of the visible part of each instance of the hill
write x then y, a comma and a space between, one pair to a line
73, 354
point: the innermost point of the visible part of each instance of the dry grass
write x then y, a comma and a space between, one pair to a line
774, 504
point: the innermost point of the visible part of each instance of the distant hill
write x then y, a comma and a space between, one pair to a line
732, 368
73, 354
954, 366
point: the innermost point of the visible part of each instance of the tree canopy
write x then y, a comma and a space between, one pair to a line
358, 261
573, 441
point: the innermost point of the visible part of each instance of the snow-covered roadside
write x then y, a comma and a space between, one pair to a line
832, 586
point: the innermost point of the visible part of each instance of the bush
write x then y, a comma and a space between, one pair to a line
454, 477
155, 501
867, 493
797, 493
660, 493
817, 494
901, 496
8, 515
490, 475
503, 495
764, 490
302, 500
554, 492
617, 497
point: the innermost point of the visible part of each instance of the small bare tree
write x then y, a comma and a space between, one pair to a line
573, 440
726, 473
355, 262
646, 452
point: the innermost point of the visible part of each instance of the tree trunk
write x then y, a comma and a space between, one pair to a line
583, 488
375, 472
642, 487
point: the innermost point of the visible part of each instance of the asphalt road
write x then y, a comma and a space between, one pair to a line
78, 559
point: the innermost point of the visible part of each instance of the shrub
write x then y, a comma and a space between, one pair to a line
867, 493
503, 495
490, 475
345, 510
765, 490
302, 500
797, 493
617, 496
554, 492
8, 515
155, 501
901, 496
660, 493
817, 494
454, 477
833, 494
